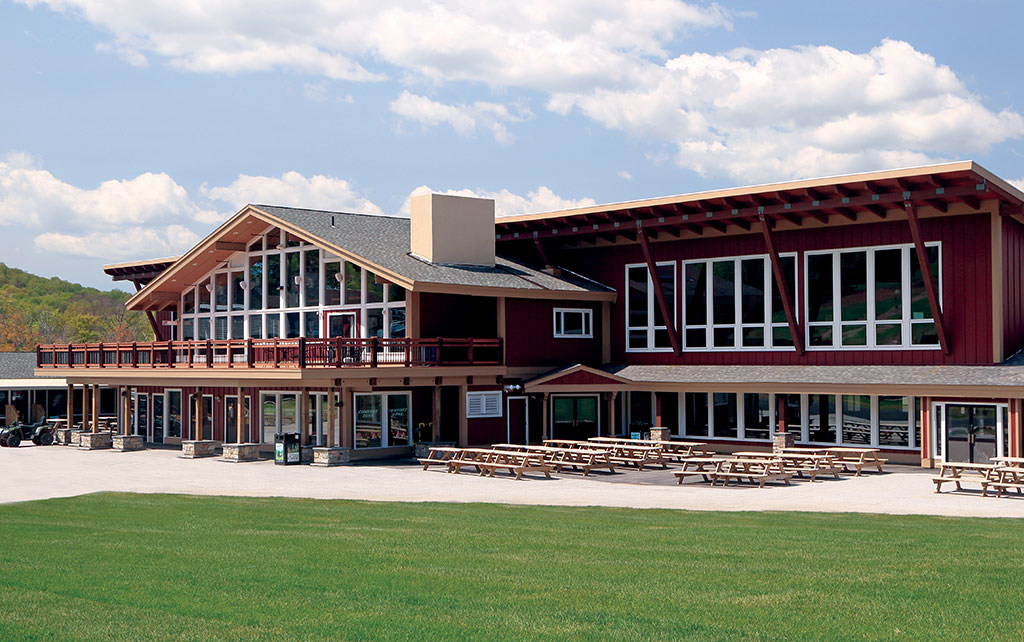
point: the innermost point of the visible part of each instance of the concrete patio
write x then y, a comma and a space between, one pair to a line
37, 472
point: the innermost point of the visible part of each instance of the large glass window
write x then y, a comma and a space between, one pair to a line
220, 292
757, 416
741, 313
646, 329
293, 278
869, 288
353, 283
332, 283
821, 418
696, 413
726, 423
312, 277
174, 413
893, 421
856, 420
273, 281
255, 282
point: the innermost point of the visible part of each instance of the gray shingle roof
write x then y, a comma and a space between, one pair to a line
998, 376
384, 241
17, 365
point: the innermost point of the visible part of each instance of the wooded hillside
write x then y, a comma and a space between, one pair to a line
36, 310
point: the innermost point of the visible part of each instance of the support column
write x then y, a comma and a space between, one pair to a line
926, 274
927, 461
95, 407
346, 418
612, 415
197, 422
71, 404
435, 415
86, 409
240, 418
544, 420
463, 420
126, 410
332, 412
304, 417
1016, 427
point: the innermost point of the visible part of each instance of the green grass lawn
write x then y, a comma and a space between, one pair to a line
148, 567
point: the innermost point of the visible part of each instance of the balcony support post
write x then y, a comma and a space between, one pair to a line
95, 407
71, 404
435, 415
332, 412
240, 427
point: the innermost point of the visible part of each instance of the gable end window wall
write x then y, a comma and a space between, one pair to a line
281, 287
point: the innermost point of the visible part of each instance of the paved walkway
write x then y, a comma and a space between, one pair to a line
34, 472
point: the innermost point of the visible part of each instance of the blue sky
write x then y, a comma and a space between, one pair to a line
129, 130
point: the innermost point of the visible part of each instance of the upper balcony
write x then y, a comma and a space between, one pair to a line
298, 353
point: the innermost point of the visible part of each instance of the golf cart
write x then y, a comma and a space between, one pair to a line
40, 432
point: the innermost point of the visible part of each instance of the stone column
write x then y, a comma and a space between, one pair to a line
197, 430
332, 411
86, 409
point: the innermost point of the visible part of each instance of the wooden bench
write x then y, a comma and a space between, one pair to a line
624, 454
1004, 478
699, 466
812, 465
677, 450
857, 458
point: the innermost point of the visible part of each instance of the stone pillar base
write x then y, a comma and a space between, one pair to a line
74, 437
195, 449
305, 454
782, 440
661, 434
62, 436
95, 440
126, 443
331, 457
240, 452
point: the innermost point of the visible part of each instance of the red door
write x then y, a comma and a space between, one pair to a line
518, 420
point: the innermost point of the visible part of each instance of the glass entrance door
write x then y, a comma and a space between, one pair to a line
158, 419
342, 324
230, 420
972, 433
573, 417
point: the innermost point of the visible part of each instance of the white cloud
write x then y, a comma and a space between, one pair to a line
127, 243
766, 115
746, 114
1019, 184
500, 43
507, 203
464, 119
624, 175
294, 190
32, 195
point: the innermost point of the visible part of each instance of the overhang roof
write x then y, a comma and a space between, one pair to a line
377, 243
829, 199
17, 371
142, 271
997, 379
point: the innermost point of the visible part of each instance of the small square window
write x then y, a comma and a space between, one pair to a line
573, 323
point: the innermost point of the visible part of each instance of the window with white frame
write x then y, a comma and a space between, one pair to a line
646, 330
881, 421
281, 287
734, 303
870, 298
382, 420
483, 404
574, 323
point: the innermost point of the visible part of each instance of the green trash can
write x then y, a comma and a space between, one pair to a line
287, 449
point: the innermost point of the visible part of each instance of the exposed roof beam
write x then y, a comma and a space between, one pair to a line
844, 205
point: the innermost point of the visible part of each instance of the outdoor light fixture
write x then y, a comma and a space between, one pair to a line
297, 280
209, 287
280, 247
244, 284
338, 276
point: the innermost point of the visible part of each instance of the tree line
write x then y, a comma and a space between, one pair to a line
35, 310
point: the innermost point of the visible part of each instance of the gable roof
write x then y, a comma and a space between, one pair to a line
379, 244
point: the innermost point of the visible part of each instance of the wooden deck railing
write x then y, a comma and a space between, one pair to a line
274, 353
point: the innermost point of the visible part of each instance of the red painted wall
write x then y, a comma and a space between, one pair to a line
1013, 286
487, 430
966, 282
530, 340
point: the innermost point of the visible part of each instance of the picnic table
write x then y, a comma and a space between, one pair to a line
439, 456
584, 459
857, 458
1009, 461
958, 472
676, 449
799, 461
625, 454
1003, 479
755, 470
488, 461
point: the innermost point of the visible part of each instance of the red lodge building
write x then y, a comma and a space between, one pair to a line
883, 309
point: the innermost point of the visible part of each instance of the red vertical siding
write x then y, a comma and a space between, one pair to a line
966, 287
1013, 286
530, 340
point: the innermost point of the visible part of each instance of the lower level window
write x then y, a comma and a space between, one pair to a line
382, 420
279, 414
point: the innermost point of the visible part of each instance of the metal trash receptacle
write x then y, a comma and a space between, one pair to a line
287, 449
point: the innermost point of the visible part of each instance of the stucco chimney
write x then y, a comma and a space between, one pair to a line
453, 229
